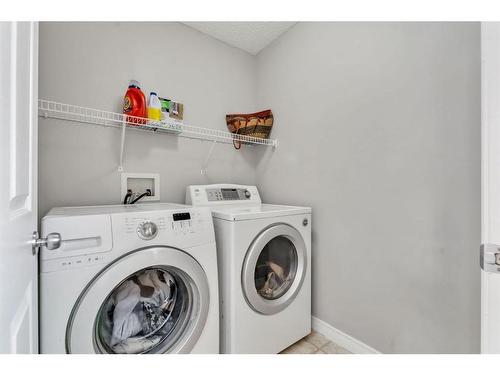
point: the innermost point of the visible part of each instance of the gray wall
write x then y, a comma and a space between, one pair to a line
90, 64
379, 131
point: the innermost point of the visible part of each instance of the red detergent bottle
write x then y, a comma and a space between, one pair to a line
134, 104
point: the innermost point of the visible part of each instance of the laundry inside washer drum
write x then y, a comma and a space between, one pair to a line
142, 313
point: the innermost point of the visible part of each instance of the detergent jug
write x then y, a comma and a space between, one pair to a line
134, 103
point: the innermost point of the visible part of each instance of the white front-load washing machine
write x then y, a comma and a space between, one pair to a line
264, 254
129, 279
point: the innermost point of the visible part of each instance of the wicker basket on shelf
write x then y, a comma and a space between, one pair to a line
257, 125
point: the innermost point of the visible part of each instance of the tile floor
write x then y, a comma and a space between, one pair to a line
315, 343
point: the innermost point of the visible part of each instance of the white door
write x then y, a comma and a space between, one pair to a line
490, 194
18, 186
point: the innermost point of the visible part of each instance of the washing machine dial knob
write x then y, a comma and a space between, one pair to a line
247, 194
147, 230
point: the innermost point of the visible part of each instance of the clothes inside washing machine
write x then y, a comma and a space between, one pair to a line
141, 313
276, 268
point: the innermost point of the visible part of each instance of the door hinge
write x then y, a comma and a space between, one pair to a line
490, 257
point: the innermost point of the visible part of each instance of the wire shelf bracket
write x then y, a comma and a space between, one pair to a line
69, 112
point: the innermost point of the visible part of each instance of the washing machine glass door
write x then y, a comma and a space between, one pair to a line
274, 269
154, 300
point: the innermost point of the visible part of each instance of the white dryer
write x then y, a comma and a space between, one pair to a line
129, 279
264, 254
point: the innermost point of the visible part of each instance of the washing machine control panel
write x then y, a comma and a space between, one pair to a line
182, 227
93, 240
210, 195
147, 230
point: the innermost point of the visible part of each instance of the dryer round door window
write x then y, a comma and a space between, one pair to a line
274, 269
154, 300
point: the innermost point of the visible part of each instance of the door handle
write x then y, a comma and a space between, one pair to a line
51, 242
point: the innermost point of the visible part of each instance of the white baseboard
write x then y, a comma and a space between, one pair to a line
341, 338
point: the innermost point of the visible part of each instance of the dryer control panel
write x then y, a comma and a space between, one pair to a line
221, 194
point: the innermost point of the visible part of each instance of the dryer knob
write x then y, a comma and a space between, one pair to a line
247, 194
147, 230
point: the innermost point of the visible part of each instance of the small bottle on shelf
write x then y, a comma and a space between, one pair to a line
154, 107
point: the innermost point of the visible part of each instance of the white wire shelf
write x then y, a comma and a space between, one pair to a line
68, 112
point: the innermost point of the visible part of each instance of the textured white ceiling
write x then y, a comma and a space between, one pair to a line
249, 36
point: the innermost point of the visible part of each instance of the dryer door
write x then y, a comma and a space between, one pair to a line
153, 300
274, 269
